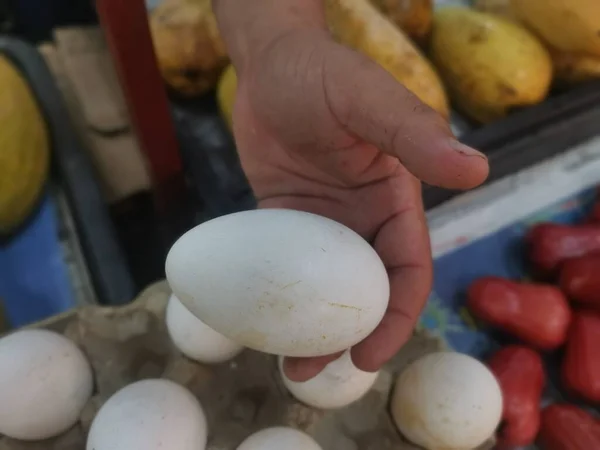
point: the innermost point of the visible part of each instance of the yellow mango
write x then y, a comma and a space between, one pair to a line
24, 149
571, 26
188, 45
575, 68
489, 63
568, 67
411, 16
359, 25
226, 94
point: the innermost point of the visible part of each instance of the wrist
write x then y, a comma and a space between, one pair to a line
249, 26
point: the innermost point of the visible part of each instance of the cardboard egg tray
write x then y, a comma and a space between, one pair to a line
128, 343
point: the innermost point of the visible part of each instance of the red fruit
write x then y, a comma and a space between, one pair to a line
538, 314
520, 372
580, 279
581, 364
567, 427
550, 244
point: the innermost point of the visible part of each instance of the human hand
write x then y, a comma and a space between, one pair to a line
323, 129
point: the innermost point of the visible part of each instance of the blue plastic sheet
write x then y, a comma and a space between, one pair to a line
499, 254
34, 277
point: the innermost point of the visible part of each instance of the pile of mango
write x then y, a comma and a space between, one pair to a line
488, 60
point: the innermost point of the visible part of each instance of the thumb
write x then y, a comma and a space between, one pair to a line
372, 105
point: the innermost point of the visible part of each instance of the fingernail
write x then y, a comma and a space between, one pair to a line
465, 149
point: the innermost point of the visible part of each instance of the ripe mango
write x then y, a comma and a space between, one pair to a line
571, 26
575, 68
359, 25
489, 63
569, 67
188, 45
411, 16
24, 149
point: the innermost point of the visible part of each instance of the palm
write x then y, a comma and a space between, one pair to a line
300, 150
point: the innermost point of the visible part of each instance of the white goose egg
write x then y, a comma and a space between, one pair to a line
279, 438
45, 381
447, 401
280, 281
153, 414
195, 339
336, 386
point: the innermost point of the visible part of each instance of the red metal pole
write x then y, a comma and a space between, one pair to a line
125, 24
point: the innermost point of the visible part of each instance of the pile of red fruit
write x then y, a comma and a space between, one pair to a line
563, 312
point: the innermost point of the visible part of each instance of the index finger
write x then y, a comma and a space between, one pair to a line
403, 245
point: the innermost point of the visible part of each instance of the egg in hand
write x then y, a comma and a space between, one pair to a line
280, 281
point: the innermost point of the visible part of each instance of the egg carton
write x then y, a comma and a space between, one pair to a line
129, 343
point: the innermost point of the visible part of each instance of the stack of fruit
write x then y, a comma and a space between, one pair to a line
489, 59
559, 313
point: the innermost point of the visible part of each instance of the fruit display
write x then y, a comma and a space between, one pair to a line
547, 332
492, 58
567, 25
572, 46
24, 149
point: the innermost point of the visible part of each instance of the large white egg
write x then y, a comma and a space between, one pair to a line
153, 414
279, 438
447, 401
336, 386
280, 281
195, 339
45, 381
